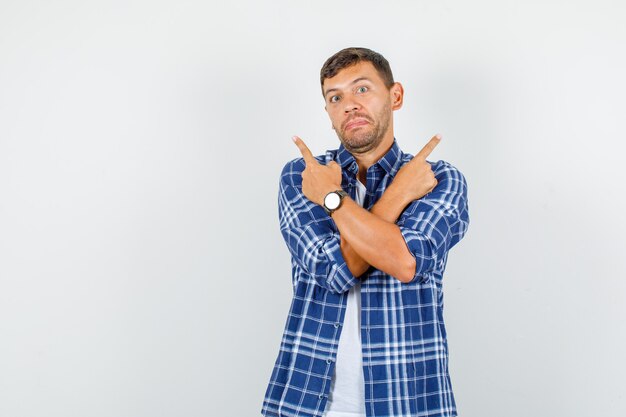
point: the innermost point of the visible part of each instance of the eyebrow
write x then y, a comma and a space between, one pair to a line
352, 83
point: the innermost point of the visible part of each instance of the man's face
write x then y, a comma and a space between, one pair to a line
359, 106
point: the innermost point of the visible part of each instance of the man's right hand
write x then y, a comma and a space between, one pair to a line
415, 179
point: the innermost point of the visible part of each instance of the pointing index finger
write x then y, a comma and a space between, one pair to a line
428, 148
304, 150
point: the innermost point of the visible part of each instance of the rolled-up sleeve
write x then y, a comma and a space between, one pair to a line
432, 225
312, 240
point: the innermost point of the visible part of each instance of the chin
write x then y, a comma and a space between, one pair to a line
360, 138
360, 145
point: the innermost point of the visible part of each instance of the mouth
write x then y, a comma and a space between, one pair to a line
356, 123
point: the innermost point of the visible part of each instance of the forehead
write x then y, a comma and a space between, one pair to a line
345, 76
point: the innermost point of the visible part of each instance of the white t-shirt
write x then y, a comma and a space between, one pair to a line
347, 386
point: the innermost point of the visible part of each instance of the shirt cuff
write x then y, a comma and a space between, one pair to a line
340, 279
419, 247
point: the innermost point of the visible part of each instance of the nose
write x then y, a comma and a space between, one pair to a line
350, 104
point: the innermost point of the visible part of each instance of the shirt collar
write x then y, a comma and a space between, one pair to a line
389, 161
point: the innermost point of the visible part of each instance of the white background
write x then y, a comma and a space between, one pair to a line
142, 271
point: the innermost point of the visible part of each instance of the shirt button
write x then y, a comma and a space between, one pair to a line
329, 361
336, 325
321, 396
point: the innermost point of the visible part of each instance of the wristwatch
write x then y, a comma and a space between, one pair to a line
333, 200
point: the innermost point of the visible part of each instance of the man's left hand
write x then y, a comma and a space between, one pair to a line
317, 179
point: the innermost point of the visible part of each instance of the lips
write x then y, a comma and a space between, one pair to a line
355, 123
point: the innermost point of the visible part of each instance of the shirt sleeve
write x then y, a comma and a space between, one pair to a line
310, 234
432, 225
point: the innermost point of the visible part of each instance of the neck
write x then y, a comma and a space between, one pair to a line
369, 158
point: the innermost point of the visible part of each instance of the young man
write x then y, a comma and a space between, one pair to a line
369, 228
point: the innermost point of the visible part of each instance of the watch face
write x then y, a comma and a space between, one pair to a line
332, 201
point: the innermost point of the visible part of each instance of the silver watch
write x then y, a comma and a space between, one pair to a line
333, 200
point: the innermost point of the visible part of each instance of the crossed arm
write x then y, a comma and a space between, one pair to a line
373, 238
365, 237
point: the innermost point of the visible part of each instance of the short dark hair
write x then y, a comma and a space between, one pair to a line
352, 56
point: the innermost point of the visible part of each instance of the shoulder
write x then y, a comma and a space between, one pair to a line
449, 176
291, 170
444, 171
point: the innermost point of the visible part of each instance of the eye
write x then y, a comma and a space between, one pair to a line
362, 89
332, 99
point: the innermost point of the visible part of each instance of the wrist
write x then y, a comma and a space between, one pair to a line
329, 190
396, 196
390, 205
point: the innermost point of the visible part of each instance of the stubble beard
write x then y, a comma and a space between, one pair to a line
364, 140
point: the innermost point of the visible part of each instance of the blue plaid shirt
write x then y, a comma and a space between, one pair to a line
404, 345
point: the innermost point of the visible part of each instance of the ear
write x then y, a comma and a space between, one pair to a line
397, 95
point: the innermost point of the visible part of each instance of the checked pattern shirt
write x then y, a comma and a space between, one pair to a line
404, 344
